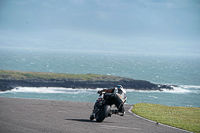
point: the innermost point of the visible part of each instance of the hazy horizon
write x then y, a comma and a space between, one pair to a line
166, 27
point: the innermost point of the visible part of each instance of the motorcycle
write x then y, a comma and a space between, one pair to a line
102, 108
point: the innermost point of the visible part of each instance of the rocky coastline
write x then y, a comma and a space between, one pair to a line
128, 83
12, 79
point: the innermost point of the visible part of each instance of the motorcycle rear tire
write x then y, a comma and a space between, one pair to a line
103, 114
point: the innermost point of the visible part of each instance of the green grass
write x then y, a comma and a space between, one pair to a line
187, 118
7, 74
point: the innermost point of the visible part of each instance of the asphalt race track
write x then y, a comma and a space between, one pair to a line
33, 116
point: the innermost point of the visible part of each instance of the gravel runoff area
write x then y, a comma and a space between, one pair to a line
35, 115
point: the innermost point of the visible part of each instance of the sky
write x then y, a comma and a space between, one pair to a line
138, 26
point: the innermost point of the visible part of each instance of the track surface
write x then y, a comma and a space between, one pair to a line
32, 116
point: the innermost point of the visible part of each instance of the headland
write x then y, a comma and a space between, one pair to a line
11, 79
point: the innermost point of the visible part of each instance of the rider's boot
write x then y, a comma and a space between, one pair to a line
121, 111
92, 116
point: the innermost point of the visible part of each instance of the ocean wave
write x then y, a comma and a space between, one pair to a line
190, 87
50, 90
177, 89
153, 97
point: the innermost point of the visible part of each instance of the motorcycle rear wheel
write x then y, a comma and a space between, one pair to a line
103, 114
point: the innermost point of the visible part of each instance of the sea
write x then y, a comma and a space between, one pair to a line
170, 69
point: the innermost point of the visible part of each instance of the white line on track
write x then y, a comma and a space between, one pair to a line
118, 127
63, 111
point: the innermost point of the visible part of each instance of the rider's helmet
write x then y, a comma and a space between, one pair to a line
120, 89
119, 86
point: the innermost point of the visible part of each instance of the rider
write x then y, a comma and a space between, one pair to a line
117, 96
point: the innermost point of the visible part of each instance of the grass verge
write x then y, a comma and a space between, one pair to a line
187, 118
7, 74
